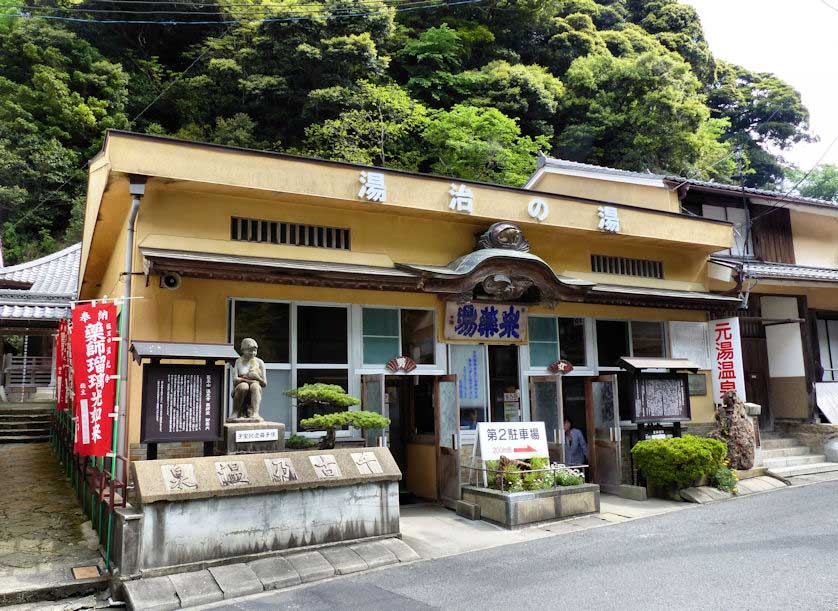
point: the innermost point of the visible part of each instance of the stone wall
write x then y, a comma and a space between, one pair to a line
178, 449
175, 534
812, 435
217, 508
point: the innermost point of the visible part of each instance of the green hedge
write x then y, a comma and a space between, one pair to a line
678, 461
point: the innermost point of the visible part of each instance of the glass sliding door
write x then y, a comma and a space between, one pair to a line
447, 407
372, 400
606, 457
546, 406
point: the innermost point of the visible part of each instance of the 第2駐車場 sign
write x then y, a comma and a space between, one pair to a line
518, 440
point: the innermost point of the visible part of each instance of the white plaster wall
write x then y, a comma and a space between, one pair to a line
785, 346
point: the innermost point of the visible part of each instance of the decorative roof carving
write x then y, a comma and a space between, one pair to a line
504, 236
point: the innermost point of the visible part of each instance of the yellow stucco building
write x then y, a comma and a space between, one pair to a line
335, 269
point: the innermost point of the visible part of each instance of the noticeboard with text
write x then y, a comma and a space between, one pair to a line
182, 403
511, 439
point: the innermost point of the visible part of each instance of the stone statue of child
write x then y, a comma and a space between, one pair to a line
248, 382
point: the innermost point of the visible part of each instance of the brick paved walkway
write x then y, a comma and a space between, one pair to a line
42, 527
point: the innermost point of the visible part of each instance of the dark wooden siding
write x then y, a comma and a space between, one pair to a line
772, 234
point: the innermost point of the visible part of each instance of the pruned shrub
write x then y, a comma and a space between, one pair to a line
679, 461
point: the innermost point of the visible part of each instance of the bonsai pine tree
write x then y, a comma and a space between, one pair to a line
329, 398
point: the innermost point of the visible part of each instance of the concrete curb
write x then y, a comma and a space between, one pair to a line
209, 586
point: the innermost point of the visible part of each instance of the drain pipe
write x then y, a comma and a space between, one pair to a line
137, 190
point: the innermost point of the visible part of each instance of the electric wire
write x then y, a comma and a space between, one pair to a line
253, 10
324, 14
45, 198
792, 190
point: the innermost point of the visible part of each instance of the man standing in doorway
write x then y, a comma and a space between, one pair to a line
577, 449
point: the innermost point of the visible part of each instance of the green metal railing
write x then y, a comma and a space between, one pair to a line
93, 478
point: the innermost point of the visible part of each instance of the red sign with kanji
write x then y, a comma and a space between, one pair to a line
94, 371
61, 342
727, 358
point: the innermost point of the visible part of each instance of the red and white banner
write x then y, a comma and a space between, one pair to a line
62, 348
727, 358
94, 371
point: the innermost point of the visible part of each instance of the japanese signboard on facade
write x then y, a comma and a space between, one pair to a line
486, 322
182, 403
94, 371
727, 358
609, 219
511, 439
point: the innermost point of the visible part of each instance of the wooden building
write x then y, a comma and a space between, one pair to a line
338, 270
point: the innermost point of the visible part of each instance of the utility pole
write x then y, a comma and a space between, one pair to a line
740, 176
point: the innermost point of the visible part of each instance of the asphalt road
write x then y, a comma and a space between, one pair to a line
768, 551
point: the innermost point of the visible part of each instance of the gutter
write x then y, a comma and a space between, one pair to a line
137, 190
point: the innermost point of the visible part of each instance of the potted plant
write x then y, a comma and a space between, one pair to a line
328, 398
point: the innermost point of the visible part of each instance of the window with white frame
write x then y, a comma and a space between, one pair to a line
619, 338
300, 344
742, 238
391, 332
552, 338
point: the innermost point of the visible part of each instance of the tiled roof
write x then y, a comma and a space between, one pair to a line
552, 162
33, 312
766, 193
55, 274
784, 271
54, 280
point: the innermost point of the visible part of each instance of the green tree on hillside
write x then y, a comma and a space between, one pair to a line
821, 183
57, 97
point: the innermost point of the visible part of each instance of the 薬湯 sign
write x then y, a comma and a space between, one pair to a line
511, 439
493, 322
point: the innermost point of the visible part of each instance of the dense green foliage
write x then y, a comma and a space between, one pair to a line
725, 479
331, 422
299, 442
678, 461
358, 419
516, 478
327, 396
820, 183
472, 90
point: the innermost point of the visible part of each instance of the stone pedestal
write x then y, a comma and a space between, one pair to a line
245, 436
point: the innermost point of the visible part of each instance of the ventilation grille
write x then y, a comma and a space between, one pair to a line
294, 234
623, 266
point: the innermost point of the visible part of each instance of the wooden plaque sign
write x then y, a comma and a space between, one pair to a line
182, 403
660, 398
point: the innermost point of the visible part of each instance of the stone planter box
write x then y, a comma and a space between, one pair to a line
517, 509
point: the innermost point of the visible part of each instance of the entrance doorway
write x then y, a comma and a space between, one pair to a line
409, 403
503, 384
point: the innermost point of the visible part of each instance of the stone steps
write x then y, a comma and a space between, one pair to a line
24, 424
24, 438
793, 461
819, 467
777, 443
783, 452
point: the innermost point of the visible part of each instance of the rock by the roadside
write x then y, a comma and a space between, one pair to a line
735, 429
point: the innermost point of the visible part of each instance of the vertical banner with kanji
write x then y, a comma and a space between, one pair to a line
727, 369
94, 370
61, 349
